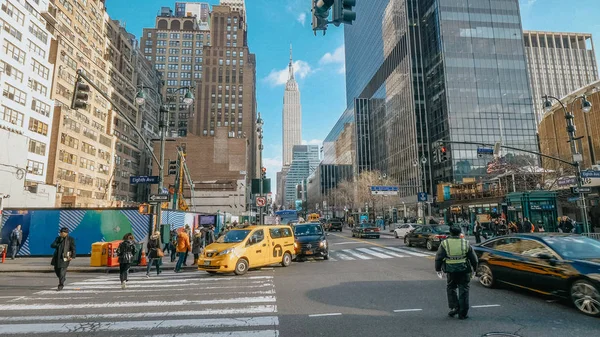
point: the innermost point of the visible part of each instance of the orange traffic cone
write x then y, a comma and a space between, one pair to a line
143, 261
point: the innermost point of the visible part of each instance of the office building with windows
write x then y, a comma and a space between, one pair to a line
422, 71
558, 64
305, 160
25, 105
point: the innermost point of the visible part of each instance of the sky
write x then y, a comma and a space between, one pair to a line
319, 61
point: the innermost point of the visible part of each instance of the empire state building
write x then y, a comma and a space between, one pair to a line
292, 116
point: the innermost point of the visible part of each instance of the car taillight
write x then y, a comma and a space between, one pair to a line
439, 237
377, 229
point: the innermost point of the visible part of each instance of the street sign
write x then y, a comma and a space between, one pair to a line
422, 196
261, 201
581, 189
573, 199
566, 181
384, 190
160, 197
590, 174
485, 150
134, 180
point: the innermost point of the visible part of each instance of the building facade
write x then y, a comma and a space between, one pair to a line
175, 46
422, 71
322, 183
304, 163
558, 64
26, 82
292, 115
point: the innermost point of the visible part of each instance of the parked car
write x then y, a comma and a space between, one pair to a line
244, 248
311, 241
430, 236
404, 229
334, 225
365, 230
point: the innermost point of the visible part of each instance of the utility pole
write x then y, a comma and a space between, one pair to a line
259, 130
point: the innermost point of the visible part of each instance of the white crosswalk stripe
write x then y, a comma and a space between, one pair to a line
380, 252
190, 302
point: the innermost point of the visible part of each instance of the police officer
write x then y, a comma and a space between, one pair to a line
457, 259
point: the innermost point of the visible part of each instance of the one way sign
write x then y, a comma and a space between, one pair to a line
160, 197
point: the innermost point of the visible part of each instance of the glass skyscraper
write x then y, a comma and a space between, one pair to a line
304, 163
421, 71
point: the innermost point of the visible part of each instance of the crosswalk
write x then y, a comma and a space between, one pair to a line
186, 305
376, 252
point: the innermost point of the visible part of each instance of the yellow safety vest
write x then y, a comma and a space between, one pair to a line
456, 253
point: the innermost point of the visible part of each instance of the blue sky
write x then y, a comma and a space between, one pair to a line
274, 24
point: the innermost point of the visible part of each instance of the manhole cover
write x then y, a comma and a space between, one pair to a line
500, 334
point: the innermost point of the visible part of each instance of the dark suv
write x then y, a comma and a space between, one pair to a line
335, 225
310, 241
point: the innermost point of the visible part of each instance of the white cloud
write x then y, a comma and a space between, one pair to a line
280, 77
527, 4
301, 18
338, 57
312, 142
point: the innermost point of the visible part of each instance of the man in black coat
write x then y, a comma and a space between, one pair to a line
64, 252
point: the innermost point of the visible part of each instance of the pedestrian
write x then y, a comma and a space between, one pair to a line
197, 245
456, 258
527, 226
155, 254
566, 225
64, 252
173, 245
512, 227
188, 231
183, 246
209, 236
477, 229
520, 225
126, 252
16, 238
541, 228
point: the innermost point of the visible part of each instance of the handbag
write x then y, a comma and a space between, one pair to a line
159, 252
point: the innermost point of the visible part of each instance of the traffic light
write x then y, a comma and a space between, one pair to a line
145, 209
172, 167
343, 13
80, 95
264, 172
321, 14
443, 153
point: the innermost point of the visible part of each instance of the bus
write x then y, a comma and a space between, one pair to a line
287, 216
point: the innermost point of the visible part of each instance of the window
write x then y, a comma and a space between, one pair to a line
161, 59
16, 53
69, 141
86, 164
11, 71
161, 43
173, 66
38, 127
38, 87
257, 237
12, 116
12, 30
173, 58
35, 168
13, 12
186, 51
38, 32
147, 50
173, 51
174, 36
161, 50
534, 248
67, 175
14, 94
37, 147
36, 49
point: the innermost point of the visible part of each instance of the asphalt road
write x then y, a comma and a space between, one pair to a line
375, 287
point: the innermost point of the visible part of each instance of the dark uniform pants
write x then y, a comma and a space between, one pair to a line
458, 281
61, 273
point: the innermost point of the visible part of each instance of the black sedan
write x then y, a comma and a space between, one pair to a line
562, 265
310, 240
366, 230
430, 236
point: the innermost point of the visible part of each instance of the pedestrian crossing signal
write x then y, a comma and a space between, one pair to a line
145, 209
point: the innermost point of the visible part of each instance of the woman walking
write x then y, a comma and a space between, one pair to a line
196, 245
155, 254
477, 229
125, 252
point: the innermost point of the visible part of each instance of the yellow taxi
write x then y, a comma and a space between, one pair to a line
243, 248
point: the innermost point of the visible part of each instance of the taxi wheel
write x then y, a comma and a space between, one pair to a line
287, 260
586, 297
241, 267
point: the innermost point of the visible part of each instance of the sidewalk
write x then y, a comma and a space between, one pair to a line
78, 265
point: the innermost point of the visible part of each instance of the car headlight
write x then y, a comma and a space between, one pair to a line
295, 245
323, 244
226, 251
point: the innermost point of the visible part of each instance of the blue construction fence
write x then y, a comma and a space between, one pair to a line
40, 226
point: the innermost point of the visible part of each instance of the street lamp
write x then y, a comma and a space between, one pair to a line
586, 107
259, 130
140, 99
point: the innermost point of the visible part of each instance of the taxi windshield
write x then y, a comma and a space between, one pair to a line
307, 229
234, 236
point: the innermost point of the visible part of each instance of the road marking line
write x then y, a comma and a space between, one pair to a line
241, 300
261, 309
344, 243
83, 327
388, 252
116, 289
344, 257
407, 310
199, 279
136, 294
323, 315
332, 259
417, 251
374, 253
486, 306
254, 333
18, 299
406, 252
360, 256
